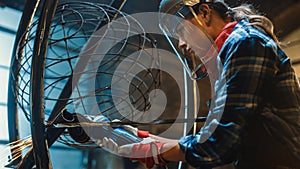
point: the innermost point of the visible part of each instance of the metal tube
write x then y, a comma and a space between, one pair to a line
12, 105
39, 142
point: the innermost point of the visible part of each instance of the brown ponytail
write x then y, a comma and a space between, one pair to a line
245, 11
259, 21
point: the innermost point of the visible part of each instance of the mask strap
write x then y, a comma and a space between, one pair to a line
201, 25
195, 16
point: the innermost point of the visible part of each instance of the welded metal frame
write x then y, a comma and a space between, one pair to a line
42, 137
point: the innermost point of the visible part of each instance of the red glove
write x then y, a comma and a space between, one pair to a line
149, 153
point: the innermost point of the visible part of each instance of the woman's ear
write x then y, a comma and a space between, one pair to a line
205, 13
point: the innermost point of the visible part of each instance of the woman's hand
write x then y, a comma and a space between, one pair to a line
147, 151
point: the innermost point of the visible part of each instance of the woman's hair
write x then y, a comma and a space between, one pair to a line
245, 11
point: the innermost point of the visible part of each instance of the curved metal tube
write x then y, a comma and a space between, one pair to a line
12, 105
39, 141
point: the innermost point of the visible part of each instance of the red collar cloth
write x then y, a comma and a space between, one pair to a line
210, 63
224, 34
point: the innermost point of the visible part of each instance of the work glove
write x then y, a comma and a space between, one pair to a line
148, 151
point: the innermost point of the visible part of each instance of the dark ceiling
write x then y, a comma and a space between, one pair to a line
284, 13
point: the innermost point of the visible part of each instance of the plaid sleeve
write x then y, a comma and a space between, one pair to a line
248, 68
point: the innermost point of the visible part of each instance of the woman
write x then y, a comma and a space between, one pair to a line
260, 126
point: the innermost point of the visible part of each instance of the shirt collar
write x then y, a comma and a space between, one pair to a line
224, 34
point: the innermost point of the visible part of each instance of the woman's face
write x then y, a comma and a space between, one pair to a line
196, 46
192, 37
183, 38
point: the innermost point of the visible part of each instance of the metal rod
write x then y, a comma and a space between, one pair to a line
39, 142
12, 106
119, 123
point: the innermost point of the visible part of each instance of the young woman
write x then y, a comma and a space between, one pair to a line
260, 125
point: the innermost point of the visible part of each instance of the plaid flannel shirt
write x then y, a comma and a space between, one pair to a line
261, 106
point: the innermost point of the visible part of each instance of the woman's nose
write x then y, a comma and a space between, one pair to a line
182, 44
